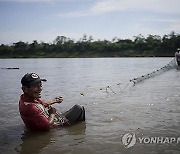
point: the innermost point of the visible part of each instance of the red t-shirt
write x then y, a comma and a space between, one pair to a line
33, 114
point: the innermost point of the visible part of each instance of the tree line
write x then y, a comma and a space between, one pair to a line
150, 46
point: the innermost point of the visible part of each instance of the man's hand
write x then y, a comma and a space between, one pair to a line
58, 99
52, 110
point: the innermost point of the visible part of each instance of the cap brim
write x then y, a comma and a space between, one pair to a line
43, 80
37, 81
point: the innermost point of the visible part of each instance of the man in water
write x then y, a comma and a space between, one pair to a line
177, 56
38, 115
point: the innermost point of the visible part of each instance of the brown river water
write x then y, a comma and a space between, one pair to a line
120, 118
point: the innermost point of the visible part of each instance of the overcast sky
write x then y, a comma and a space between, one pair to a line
43, 20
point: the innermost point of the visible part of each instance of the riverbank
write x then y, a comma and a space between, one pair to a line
90, 54
63, 47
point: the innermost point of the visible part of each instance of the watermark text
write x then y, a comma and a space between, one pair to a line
130, 139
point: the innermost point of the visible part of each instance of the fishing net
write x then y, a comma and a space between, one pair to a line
121, 87
171, 65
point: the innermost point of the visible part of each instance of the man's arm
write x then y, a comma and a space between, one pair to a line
52, 113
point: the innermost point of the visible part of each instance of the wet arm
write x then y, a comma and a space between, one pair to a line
52, 113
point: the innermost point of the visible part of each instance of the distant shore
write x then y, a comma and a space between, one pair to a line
83, 55
86, 47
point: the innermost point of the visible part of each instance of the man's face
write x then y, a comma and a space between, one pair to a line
33, 91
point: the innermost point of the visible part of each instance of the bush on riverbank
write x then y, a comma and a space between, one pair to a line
151, 46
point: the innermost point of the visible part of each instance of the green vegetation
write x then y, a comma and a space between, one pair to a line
151, 46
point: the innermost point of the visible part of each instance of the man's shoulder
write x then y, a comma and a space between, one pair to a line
25, 103
28, 107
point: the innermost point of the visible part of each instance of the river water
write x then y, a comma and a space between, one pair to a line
120, 118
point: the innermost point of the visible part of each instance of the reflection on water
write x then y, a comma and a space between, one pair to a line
36, 142
150, 108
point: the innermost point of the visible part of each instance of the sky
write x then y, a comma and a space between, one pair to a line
44, 20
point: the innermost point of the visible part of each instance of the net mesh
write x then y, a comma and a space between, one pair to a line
171, 65
121, 87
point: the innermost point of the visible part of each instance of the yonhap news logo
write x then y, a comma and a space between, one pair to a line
130, 139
